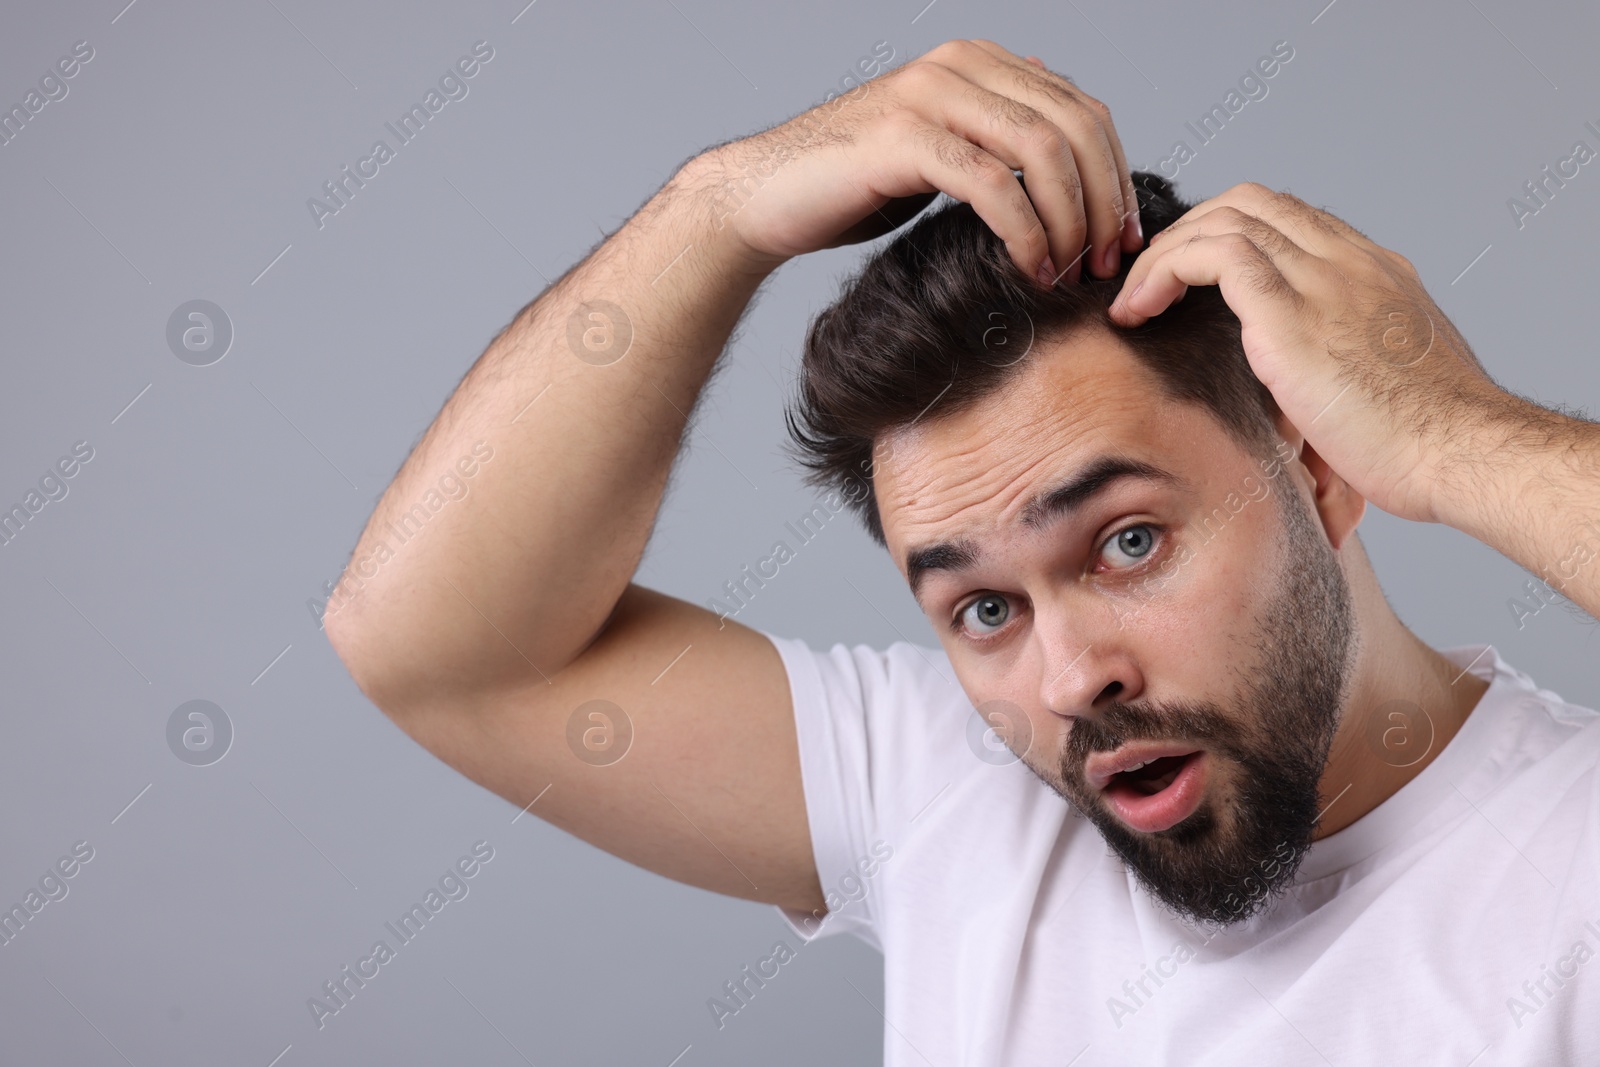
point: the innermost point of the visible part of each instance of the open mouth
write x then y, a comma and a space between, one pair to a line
1151, 778
1149, 787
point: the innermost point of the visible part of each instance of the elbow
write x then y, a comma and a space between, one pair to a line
359, 649
390, 672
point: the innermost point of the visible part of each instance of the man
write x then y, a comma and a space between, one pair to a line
1328, 842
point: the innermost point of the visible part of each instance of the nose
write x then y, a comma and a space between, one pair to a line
1085, 668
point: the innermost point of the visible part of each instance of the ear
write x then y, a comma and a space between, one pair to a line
1339, 507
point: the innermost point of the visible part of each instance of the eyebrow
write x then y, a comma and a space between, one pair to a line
1065, 498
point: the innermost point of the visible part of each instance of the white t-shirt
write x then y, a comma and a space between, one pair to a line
1458, 923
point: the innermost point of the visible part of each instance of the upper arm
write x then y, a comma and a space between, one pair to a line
707, 790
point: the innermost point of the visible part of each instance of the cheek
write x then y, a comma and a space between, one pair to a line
988, 682
1199, 619
1049, 738
1004, 691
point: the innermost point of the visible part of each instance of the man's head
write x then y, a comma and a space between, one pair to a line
1126, 551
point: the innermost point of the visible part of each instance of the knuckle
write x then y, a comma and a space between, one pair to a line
1262, 280
1239, 244
923, 75
1071, 187
1046, 83
1284, 202
960, 154
956, 50
1257, 229
986, 170
1260, 233
1082, 109
1046, 135
905, 128
1401, 261
1326, 224
1034, 240
1101, 110
930, 139
1006, 111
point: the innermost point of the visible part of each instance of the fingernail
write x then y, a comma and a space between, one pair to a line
1112, 259
1047, 273
1132, 230
1126, 298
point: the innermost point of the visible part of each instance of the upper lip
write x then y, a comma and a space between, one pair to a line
1101, 767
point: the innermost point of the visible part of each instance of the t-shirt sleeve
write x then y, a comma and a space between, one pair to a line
861, 721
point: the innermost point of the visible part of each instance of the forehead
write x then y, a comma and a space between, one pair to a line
1080, 398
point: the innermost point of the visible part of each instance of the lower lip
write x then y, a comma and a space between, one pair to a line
1163, 810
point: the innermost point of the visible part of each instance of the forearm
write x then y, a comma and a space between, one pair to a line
509, 583
1530, 489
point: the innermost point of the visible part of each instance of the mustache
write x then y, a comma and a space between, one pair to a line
1180, 720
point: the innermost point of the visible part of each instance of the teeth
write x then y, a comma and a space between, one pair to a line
1136, 766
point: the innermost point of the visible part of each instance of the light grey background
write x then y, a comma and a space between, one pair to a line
178, 567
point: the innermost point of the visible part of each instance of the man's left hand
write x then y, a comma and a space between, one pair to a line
1357, 355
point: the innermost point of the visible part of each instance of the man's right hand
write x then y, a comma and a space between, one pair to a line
959, 120
489, 629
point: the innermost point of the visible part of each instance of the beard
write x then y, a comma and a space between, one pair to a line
1234, 854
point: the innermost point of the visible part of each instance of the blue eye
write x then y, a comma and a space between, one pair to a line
987, 611
1127, 547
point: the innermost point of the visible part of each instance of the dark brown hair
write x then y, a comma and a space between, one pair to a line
940, 317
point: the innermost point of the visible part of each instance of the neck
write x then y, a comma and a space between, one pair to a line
1404, 705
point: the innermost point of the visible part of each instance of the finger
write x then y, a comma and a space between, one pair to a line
974, 176
1109, 201
1130, 230
1320, 230
1107, 184
1274, 241
1315, 230
1023, 139
1296, 263
1252, 283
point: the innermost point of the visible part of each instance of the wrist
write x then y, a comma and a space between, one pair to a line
1506, 467
717, 200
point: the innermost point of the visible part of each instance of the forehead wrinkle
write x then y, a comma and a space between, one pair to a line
996, 473
999, 483
949, 493
961, 550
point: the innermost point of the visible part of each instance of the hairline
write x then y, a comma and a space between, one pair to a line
1254, 439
